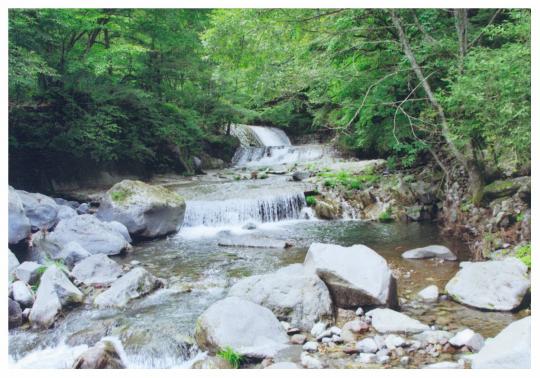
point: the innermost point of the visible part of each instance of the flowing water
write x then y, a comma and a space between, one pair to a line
156, 331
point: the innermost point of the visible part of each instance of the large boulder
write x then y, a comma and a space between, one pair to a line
290, 293
96, 270
18, 223
430, 251
89, 232
385, 320
13, 263
65, 212
54, 293
492, 285
246, 327
103, 355
147, 211
134, 284
356, 275
72, 253
510, 349
41, 210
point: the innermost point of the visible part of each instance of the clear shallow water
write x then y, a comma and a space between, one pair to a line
156, 330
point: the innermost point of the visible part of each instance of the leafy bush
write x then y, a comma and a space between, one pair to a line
311, 200
348, 180
524, 254
386, 216
232, 357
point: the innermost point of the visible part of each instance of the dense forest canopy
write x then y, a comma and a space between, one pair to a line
155, 87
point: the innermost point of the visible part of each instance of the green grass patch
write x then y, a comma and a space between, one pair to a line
386, 216
120, 195
524, 254
311, 200
348, 180
232, 357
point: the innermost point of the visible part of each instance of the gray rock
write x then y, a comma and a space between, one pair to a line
13, 263
444, 365
433, 337
246, 327
14, 314
212, 362
430, 251
103, 355
83, 208
18, 223
355, 275
89, 232
134, 284
367, 345
72, 253
146, 210
311, 346
22, 294
119, 227
41, 210
96, 269
283, 365
385, 320
65, 212
492, 285
367, 358
55, 292
510, 349
318, 329
394, 341
300, 176
298, 339
468, 338
310, 362
28, 272
290, 293
429, 294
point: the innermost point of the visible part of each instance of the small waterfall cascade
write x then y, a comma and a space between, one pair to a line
259, 136
238, 211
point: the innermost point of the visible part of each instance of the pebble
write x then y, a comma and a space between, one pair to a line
298, 339
367, 345
367, 358
359, 311
393, 341
310, 362
318, 328
404, 361
335, 330
311, 346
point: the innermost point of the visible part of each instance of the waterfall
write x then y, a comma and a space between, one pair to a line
260, 136
268, 156
239, 211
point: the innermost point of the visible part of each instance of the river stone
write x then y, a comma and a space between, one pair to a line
18, 223
311, 346
385, 320
103, 355
429, 294
72, 253
283, 365
246, 327
13, 263
55, 292
14, 314
119, 227
444, 365
22, 294
510, 349
65, 212
310, 362
433, 336
290, 293
356, 275
212, 362
147, 211
96, 269
492, 285
28, 272
92, 234
41, 210
134, 284
468, 338
431, 251
367, 345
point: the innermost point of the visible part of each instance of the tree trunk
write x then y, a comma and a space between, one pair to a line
467, 159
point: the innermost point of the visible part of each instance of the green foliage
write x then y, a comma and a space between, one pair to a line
386, 216
232, 357
311, 201
348, 180
524, 254
120, 196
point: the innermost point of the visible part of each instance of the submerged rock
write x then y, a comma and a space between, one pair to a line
385, 320
55, 292
468, 338
14, 314
89, 232
134, 284
356, 275
147, 211
431, 251
429, 294
96, 269
103, 355
247, 241
491, 285
510, 349
18, 223
246, 327
290, 293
